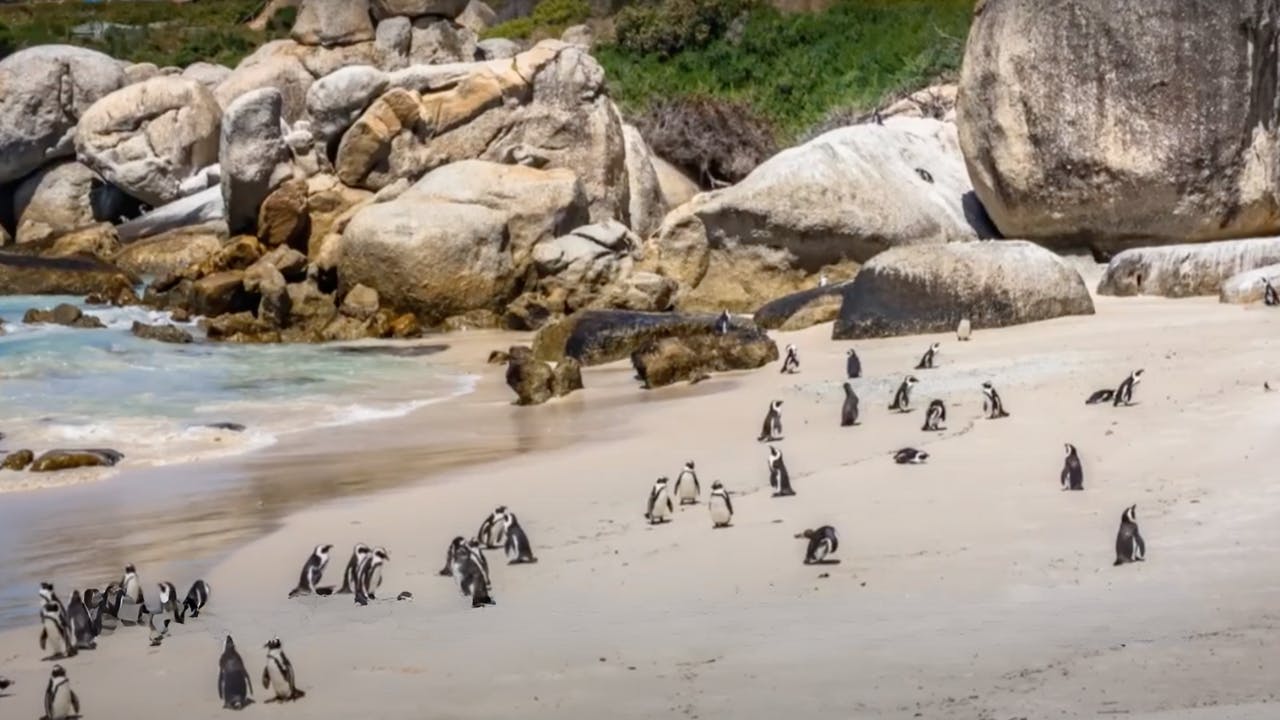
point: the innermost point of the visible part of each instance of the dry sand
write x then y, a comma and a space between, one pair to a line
970, 587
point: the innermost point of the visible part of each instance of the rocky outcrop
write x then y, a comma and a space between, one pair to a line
670, 360
253, 155
418, 8
1248, 286
677, 188
436, 41
43, 93
647, 204
477, 17
536, 382
98, 241
63, 314
802, 309
27, 275
172, 251
55, 460
927, 289
838, 199
276, 65
593, 337
166, 333
17, 460
1185, 270
1083, 124
333, 22
937, 102
149, 137
61, 198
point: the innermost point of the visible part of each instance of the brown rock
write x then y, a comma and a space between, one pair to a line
238, 254
533, 380
327, 201
283, 217
171, 252
162, 333
291, 263
221, 293
28, 275
64, 314
241, 327
310, 306
17, 460
406, 326
366, 146
344, 328
360, 303
56, 460
99, 241
599, 336
672, 359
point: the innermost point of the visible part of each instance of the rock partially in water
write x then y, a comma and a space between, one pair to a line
673, 359
593, 337
55, 460
17, 460
241, 327
221, 293
229, 426
401, 351
170, 252
63, 314
27, 275
801, 309
1185, 270
162, 333
535, 381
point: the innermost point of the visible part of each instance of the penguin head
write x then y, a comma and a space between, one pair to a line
661, 481
322, 551
228, 645
688, 465
986, 385
508, 519
1071, 449
273, 644
361, 550
910, 380
934, 347
775, 405
458, 542
58, 672
382, 554
500, 511
46, 591
774, 453
849, 352
805, 535
1131, 514
129, 570
1137, 374
717, 485
791, 348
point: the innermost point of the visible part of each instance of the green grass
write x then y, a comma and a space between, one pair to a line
793, 69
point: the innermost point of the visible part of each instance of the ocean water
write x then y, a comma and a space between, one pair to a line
65, 388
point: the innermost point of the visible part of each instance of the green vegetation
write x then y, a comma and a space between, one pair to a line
549, 19
158, 32
791, 69
666, 28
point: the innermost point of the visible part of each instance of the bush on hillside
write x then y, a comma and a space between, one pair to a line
667, 27
549, 19
714, 140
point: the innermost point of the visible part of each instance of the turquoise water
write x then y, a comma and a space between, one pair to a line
65, 387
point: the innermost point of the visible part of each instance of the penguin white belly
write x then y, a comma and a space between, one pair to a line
820, 553
56, 641
279, 683
687, 491
720, 514
61, 707
661, 508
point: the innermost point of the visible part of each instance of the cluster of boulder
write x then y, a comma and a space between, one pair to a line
56, 460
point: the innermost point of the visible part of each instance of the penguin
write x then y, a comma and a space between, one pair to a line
169, 602
109, 614
822, 542
60, 701
457, 545
772, 428
517, 548
779, 478
358, 554
688, 489
991, 403
721, 506
935, 416
369, 576
1101, 396
95, 604
658, 509
849, 413
1072, 472
473, 581
1129, 544
49, 597
476, 552
723, 323
926, 360
312, 571
55, 636
910, 456
235, 689
493, 529
5, 684
964, 330
852, 365
1269, 296
197, 598
902, 398
132, 586
79, 623
791, 363
1124, 393
157, 629
279, 672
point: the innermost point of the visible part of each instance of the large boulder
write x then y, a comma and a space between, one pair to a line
669, 360
1088, 121
536, 382
802, 309
418, 8
838, 199
206, 206
593, 337
61, 198
44, 91
27, 275
647, 206
207, 74
460, 239
928, 289
172, 251
147, 138
1249, 286
254, 156
55, 460
436, 41
1185, 270
333, 22
276, 65
98, 241
62, 314
336, 101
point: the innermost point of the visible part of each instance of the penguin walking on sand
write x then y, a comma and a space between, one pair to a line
935, 416
493, 530
849, 412
518, 549
451, 555
659, 507
721, 506
723, 323
1101, 396
910, 456
55, 636
791, 363
312, 571
370, 576
992, 405
349, 576
1129, 544
471, 574
48, 596
197, 598
964, 330
823, 542
779, 478
79, 623
771, 430
688, 490
1124, 393
157, 629
235, 689
902, 398
852, 365
169, 602
926, 360
132, 586
60, 701
1270, 297
278, 674
1072, 471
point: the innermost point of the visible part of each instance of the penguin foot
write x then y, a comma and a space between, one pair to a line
324, 591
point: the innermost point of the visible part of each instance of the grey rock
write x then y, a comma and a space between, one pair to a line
1185, 270
333, 22
60, 198
253, 156
197, 209
207, 74
418, 8
497, 49
335, 101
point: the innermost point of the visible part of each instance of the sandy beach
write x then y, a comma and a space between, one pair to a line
969, 587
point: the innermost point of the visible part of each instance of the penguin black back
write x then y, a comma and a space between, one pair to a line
852, 365
1072, 472
935, 416
235, 689
779, 478
849, 413
1130, 546
823, 542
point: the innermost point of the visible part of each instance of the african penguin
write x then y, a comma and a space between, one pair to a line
722, 323
157, 629
60, 701
926, 360
935, 416
132, 586
279, 673
5, 683
688, 489
517, 548
197, 598
169, 602
1100, 396
902, 398
49, 597
910, 456
79, 623
849, 412
1124, 393
235, 689
55, 636
779, 478
791, 363
456, 547
771, 430
476, 552
474, 582
721, 506
822, 542
1072, 472
852, 365
493, 530
312, 571
991, 403
1269, 296
1129, 544
964, 329
658, 508
369, 576
358, 553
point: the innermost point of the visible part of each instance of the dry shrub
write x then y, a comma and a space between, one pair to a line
714, 140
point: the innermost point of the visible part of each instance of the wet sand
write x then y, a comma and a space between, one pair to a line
969, 587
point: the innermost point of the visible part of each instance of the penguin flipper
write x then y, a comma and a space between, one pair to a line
266, 680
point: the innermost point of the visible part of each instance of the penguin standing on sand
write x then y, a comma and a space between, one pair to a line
312, 571
55, 636
456, 546
132, 586
721, 506
492, 532
723, 323
279, 673
926, 360
964, 330
822, 542
518, 549
1124, 393
351, 573
772, 428
779, 478
688, 490
197, 598
79, 623
169, 602
852, 365
992, 405
791, 363
935, 416
1270, 297
60, 701
910, 456
369, 578
849, 412
48, 596
659, 507
902, 398
472, 577
235, 689
1129, 544
1072, 472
